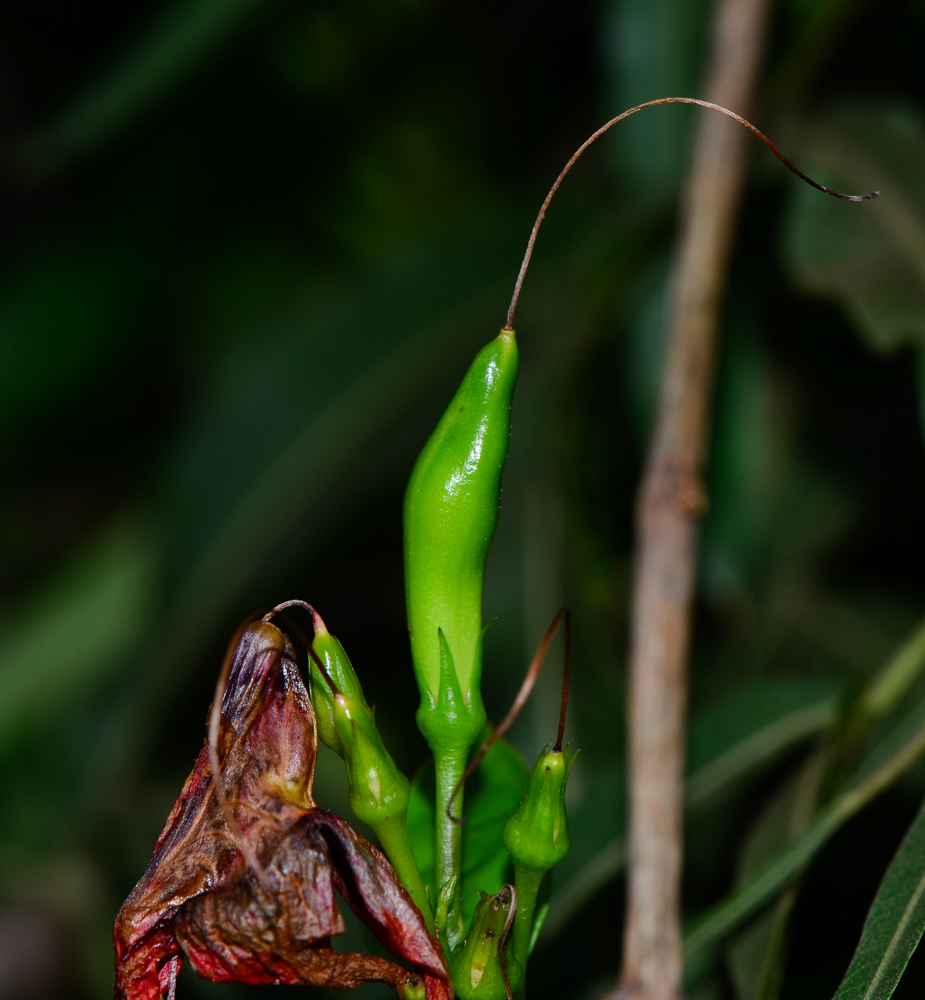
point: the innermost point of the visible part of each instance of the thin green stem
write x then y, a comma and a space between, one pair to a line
393, 835
450, 766
527, 882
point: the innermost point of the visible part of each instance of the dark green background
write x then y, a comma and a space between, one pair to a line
248, 248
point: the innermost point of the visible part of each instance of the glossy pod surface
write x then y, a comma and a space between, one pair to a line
451, 508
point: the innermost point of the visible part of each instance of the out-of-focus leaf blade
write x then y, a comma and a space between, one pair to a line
870, 258
898, 750
749, 728
755, 954
894, 925
653, 47
185, 34
75, 630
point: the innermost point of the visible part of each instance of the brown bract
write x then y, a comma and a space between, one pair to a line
235, 922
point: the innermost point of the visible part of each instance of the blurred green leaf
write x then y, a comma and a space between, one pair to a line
183, 35
421, 826
755, 955
749, 728
898, 750
653, 49
892, 682
71, 634
869, 258
58, 316
894, 925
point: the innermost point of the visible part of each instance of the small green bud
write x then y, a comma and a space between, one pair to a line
340, 669
476, 966
537, 835
451, 507
415, 989
377, 791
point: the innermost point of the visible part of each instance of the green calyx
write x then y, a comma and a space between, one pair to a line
450, 722
476, 966
377, 791
451, 508
537, 835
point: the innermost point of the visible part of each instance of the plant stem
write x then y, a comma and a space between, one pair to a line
527, 882
393, 835
671, 500
450, 766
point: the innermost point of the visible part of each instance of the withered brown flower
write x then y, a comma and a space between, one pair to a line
242, 878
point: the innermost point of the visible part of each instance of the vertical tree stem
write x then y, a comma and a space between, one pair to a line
671, 499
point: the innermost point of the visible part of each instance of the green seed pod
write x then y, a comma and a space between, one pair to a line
537, 835
451, 508
338, 665
476, 965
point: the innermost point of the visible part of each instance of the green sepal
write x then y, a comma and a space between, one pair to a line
450, 926
377, 791
476, 965
537, 834
451, 724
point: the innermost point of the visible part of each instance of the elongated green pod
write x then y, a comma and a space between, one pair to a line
451, 508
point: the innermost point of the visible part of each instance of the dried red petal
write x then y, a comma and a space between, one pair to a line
199, 896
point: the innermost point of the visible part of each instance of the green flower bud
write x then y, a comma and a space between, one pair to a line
377, 791
476, 965
340, 669
415, 989
451, 507
537, 835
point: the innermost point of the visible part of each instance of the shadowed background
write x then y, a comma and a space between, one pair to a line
249, 247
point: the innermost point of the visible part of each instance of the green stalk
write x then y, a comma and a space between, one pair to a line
450, 766
396, 842
527, 881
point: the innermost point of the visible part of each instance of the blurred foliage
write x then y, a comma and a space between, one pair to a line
249, 250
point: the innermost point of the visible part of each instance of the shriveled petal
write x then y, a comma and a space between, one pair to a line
273, 922
373, 891
267, 750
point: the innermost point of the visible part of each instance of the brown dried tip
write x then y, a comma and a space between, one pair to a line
202, 898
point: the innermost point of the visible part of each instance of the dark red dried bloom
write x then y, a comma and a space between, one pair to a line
270, 921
